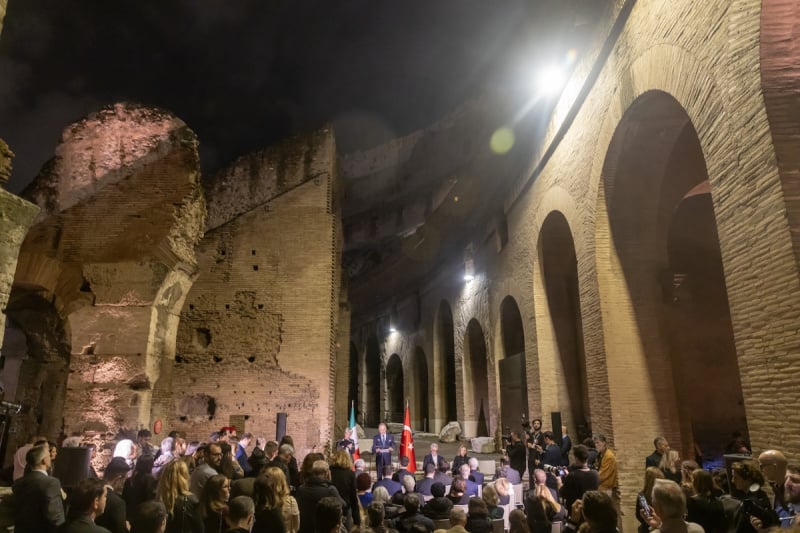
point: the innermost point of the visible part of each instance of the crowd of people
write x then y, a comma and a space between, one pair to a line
217, 486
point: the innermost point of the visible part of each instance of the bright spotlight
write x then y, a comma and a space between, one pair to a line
551, 80
392, 329
468, 277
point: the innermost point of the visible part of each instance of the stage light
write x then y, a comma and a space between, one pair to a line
551, 80
468, 277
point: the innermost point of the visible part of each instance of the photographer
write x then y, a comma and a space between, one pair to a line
580, 479
516, 454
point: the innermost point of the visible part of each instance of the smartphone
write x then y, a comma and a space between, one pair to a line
643, 503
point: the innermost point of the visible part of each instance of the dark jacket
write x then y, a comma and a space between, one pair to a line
478, 524
406, 520
345, 482
269, 521
654, 459
391, 487
185, 517
114, 515
424, 486
308, 495
83, 524
438, 508
517, 457
38, 504
476, 476
138, 490
458, 460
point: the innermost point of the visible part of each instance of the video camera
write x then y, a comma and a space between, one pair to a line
767, 516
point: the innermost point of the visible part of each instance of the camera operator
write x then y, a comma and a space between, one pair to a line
580, 478
535, 443
516, 454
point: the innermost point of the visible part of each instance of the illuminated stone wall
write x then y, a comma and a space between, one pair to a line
679, 79
112, 253
258, 330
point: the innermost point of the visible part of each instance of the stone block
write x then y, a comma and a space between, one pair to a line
450, 432
482, 444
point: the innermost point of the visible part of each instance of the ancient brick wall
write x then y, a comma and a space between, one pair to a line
668, 70
258, 332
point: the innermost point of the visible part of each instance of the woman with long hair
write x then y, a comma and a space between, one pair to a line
518, 522
492, 501
229, 466
269, 513
457, 490
307, 466
651, 474
272, 492
214, 503
139, 488
183, 507
345, 482
703, 507
671, 466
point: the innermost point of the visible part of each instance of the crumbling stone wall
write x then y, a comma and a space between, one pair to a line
258, 332
113, 250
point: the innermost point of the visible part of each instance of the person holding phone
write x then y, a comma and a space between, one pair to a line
644, 501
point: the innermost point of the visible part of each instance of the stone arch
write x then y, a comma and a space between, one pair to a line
372, 387
512, 372
420, 390
444, 367
656, 336
476, 382
561, 347
395, 389
36, 357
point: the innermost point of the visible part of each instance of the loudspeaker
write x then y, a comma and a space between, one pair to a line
280, 426
555, 420
72, 465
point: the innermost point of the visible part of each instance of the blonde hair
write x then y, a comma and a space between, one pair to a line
172, 484
271, 490
490, 496
668, 461
342, 459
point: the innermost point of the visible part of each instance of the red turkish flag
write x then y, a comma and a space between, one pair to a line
407, 443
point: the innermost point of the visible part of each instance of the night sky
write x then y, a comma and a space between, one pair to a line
246, 73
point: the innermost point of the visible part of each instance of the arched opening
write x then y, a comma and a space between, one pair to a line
667, 329
36, 354
373, 383
513, 381
421, 394
445, 366
394, 389
564, 336
476, 382
352, 383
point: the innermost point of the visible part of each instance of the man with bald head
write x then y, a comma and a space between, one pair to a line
773, 465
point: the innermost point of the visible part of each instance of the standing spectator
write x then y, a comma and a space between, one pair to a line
241, 516
143, 442
773, 465
228, 465
183, 507
167, 454
294, 472
580, 479
268, 508
38, 502
345, 482
535, 444
241, 452
279, 487
140, 487
213, 458
703, 507
283, 459
745, 475
651, 474
661, 447
566, 446
314, 489
114, 515
670, 465
151, 517
348, 443
792, 492
214, 503
607, 469
86, 502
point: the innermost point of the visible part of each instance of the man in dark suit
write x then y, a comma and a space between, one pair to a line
113, 515
661, 447
517, 456
382, 446
37, 496
424, 485
402, 471
386, 481
433, 458
314, 489
87, 501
